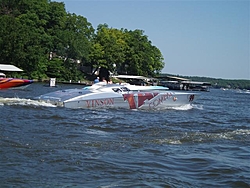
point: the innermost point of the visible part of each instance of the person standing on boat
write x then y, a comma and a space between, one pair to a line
96, 80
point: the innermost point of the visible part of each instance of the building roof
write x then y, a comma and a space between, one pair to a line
7, 67
173, 78
197, 83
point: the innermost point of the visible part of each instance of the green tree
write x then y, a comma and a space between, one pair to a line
28, 45
75, 44
108, 50
76, 38
142, 57
126, 51
33, 33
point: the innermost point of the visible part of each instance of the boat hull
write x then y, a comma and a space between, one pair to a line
141, 100
80, 98
14, 83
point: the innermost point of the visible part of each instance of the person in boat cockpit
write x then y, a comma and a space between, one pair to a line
104, 80
96, 80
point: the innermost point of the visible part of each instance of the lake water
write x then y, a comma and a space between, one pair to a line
206, 144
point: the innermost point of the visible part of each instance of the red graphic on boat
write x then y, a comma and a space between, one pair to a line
141, 98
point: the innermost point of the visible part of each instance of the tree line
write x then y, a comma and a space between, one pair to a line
45, 41
223, 83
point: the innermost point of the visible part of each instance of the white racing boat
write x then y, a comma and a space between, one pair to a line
127, 96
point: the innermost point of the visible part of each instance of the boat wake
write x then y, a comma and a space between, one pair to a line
30, 102
198, 107
186, 107
23, 102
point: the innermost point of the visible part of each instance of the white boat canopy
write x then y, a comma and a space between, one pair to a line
7, 67
131, 77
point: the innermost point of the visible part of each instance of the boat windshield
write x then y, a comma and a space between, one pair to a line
121, 89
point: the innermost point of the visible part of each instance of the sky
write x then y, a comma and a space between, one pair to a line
205, 38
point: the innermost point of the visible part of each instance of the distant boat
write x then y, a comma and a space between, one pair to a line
12, 83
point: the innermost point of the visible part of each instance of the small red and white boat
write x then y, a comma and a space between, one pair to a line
12, 83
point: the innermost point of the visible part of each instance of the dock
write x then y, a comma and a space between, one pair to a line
178, 83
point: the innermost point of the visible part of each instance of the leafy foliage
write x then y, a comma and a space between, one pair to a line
44, 40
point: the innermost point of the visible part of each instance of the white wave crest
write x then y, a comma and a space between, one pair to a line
199, 107
229, 135
184, 107
23, 102
169, 141
242, 132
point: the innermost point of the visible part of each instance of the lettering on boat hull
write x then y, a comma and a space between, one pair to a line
99, 103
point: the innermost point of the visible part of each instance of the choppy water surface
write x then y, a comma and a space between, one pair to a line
203, 145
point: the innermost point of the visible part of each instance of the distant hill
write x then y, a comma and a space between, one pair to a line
218, 82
